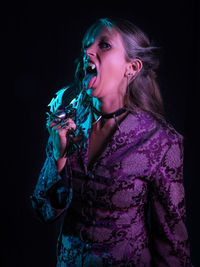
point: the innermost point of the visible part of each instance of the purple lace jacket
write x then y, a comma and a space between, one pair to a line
129, 208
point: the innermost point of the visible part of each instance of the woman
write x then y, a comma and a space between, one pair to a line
114, 165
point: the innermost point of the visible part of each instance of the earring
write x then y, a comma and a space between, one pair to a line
127, 87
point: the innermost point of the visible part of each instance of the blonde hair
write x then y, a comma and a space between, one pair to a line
144, 92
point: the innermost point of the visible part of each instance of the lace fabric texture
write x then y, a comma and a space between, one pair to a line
129, 208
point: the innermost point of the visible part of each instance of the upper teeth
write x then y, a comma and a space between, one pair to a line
91, 65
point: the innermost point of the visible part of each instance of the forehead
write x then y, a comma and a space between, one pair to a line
108, 33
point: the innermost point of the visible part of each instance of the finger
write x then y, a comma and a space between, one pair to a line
68, 124
61, 129
55, 126
52, 124
71, 124
67, 130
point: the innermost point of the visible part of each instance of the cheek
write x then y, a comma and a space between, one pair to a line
113, 68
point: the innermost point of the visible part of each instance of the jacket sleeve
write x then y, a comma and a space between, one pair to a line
169, 237
53, 191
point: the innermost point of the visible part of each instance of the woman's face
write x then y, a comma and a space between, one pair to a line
108, 54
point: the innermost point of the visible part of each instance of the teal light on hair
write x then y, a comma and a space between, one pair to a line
94, 31
88, 39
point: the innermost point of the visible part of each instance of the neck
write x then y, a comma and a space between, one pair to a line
108, 105
111, 105
116, 115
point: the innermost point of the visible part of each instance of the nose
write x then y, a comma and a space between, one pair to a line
90, 51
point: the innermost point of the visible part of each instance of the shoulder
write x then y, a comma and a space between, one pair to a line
146, 122
171, 146
155, 137
165, 144
148, 141
168, 132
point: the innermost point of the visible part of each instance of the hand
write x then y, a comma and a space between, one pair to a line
58, 132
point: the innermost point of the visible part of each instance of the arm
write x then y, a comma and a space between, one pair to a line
53, 191
170, 245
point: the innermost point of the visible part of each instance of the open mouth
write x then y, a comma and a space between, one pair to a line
91, 69
91, 75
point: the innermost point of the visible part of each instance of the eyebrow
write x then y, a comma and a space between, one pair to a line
104, 37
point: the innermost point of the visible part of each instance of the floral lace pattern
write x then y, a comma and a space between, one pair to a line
128, 209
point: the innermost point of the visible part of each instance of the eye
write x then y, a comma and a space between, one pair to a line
104, 45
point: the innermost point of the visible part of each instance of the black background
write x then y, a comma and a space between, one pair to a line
40, 44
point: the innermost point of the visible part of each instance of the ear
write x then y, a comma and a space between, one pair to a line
133, 68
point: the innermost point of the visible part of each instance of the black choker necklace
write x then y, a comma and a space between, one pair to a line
109, 115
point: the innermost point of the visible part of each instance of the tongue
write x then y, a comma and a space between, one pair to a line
91, 82
88, 81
